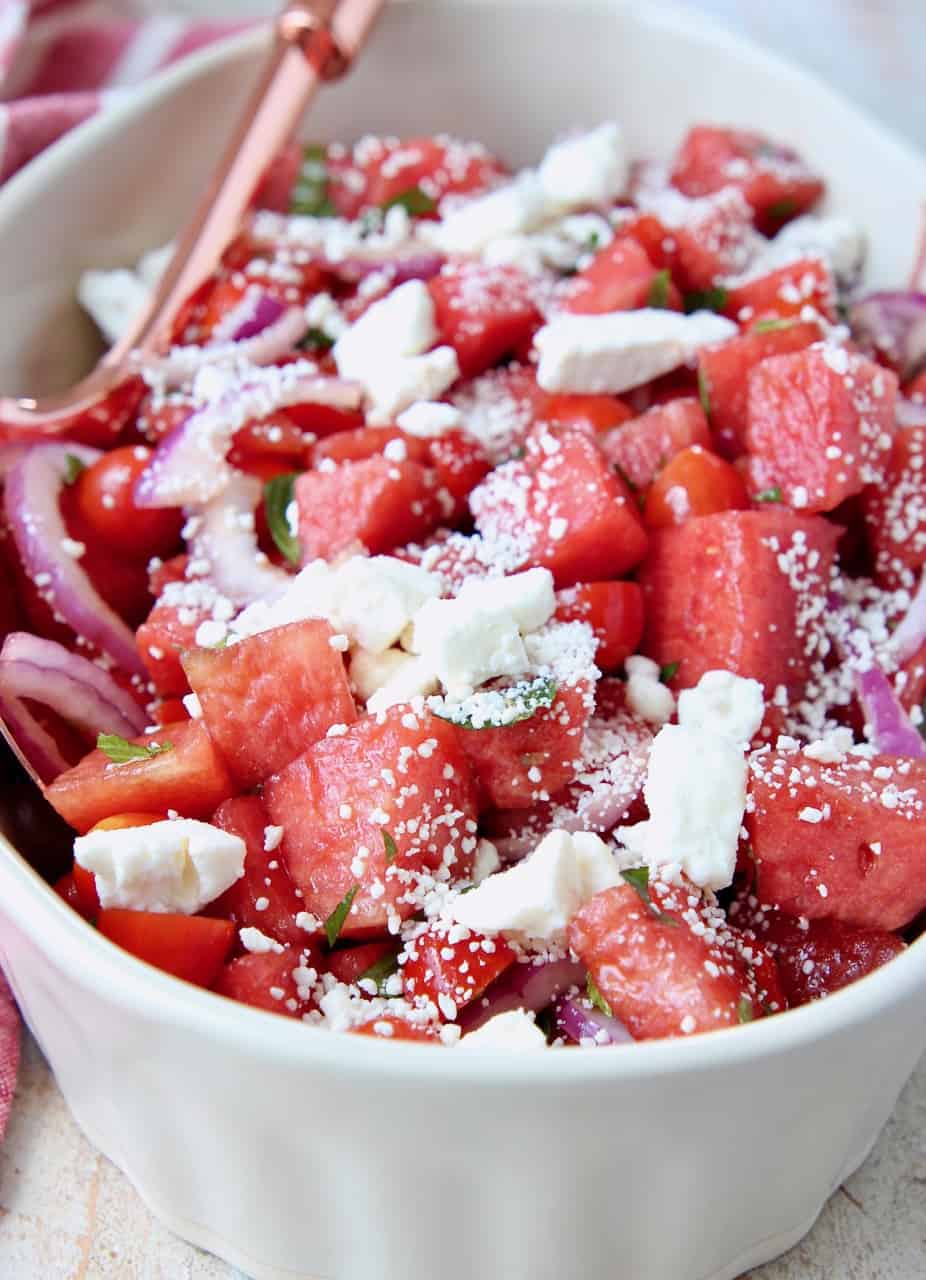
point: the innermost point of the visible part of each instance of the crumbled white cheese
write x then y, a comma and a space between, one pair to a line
725, 704
428, 419
180, 865
518, 206
588, 169
401, 324
513, 1030
466, 645
647, 696
394, 385
528, 596
486, 861
611, 353
259, 943
411, 678
839, 241
193, 706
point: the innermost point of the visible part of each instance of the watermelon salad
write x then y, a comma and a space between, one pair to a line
497, 620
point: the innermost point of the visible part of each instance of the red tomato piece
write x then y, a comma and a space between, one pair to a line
378, 503
460, 976
66, 888
693, 483
484, 313
276, 435
563, 508
406, 778
190, 947
518, 764
784, 293
161, 572
167, 711
11, 611
391, 1028
361, 443
265, 981
658, 975
621, 277
716, 596
614, 611
159, 415
437, 166
269, 697
103, 494
163, 637
641, 447
594, 414
651, 235
349, 964
724, 372
855, 854
323, 419
895, 513
191, 778
820, 426
774, 180
264, 897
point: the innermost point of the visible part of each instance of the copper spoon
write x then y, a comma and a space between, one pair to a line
314, 41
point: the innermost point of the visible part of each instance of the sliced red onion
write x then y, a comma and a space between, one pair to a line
909, 413
270, 344
531, 986
894, 323
574, 1020
892, 731
910, 635
78, 690
189, 466
34, 516
264, 310
223, 533
10, 454
418, 266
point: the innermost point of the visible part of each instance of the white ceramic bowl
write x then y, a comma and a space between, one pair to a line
295, 1153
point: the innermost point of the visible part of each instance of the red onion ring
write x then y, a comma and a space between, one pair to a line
10, 454
586, 1026
419, 266
531, 986
78, 690
262, 312
892, 731
910, 635
225, 536
34, 517
909, 413
273, 342
893, 322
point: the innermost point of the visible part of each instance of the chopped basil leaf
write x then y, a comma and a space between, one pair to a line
389, 844
781, 210
705, 300
310, 194
744, 1009
596, 999
768, 495
774, 324
278, 494
658, 295
498, 708
669, 671
121, 751
704, 392
381, 970
73, 466
638, 879
413, 201
335, 922
316, 340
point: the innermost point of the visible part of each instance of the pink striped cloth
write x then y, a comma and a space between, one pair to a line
60, 62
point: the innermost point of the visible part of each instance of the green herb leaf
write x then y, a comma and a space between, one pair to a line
413, 201
638, 879
781, 210
335, 922
73, 466
493, 709
768, 495
595, 997
774, 324
704, 392
658, 295
389, 844
316, 340
278, 494
744, 1010
669, 671
705, 300
381, 970
121, 751
310, 193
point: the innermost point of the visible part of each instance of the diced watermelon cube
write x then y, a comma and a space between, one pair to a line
391, 785
741, 591
438, 166
349, 964
268, 697
820, 425
264, 897
459, 463
591, 413
774, 180
377, 503
361, 443
843, 841
724, 377
895, 513
641, 447
458, 971
483, 312
784, 293
619, 278
265, 981
191, 777
193, 948
162, 639
712, 241
561, 507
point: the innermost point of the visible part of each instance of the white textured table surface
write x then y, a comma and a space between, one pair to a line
67, 1214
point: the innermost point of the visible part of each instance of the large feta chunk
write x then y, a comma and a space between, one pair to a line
647, 696
392, 386
179, 865
696, 794
588, 169
412, 678
509, 210
620, 350
429, 419
841, 242
401, 324
725, 704
527, 596
538, 897
466, 645
513, 1030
